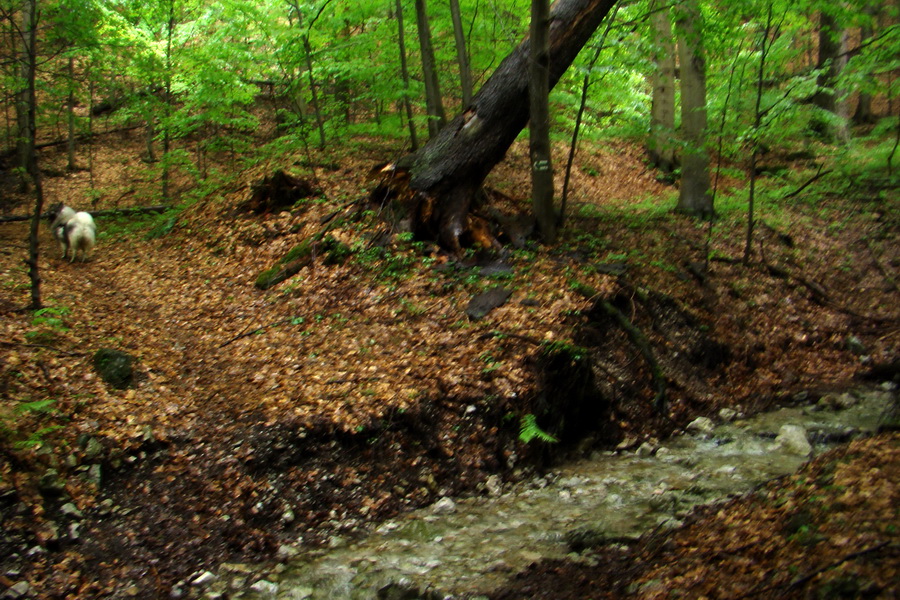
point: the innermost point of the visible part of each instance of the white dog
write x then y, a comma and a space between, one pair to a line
74, 230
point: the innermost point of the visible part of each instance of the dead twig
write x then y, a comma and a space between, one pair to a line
241, 336
809, 182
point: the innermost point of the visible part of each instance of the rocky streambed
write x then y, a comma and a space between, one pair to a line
464, 547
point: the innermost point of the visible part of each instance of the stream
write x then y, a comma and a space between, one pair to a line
463, 547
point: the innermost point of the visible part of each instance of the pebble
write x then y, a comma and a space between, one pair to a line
70, 510
265, 587
204, 578
286, 552
728, 415
646, 449
444, 506
494, 486
701, 425
793, 439
19, 590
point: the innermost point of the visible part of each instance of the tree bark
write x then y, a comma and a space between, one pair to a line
462, 55
539, 115
404, 73
70, 110
449, 170
433, 99
694, 197
660, 143
29, 72
832, 59
764, 47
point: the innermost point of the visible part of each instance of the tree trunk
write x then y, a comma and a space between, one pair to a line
29, 69
764, 48
695, 197
660, 143
573, 145
539, 115
833, 59
462, 56
404, 73
168, 106
829, 47
864, 114
70, 109
24, 150
433, 100
450, 168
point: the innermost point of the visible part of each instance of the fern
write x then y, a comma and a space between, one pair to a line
529, 430
36, 406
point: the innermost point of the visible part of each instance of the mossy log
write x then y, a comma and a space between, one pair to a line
302, 255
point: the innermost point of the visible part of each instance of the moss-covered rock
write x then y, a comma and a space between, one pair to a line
115, 367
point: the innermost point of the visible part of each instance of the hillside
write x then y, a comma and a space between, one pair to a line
359, 387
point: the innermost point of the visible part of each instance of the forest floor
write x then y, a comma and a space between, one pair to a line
360, 388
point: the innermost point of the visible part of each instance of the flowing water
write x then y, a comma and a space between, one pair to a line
463, 547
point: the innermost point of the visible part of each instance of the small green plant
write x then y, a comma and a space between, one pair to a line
10, 423
49, 322
574, 351
530, 430
411, 308
491, 362
162, 228
663, 265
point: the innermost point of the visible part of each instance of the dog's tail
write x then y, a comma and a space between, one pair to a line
81, 234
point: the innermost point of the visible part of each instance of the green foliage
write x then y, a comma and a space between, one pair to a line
162, 228
573, 351
15, 424
49, 323
529, 430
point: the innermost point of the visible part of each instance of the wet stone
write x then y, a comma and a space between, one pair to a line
701, 426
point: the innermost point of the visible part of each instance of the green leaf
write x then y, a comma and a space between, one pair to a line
529, 430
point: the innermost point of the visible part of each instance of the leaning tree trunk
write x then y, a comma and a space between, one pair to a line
449, 170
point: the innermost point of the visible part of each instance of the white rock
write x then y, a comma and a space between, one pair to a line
728, 414
646, 449
792, 439
19, 590
204, 578
703, 425
286, 552
494, 486
70, 510
265, 587
444, 506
